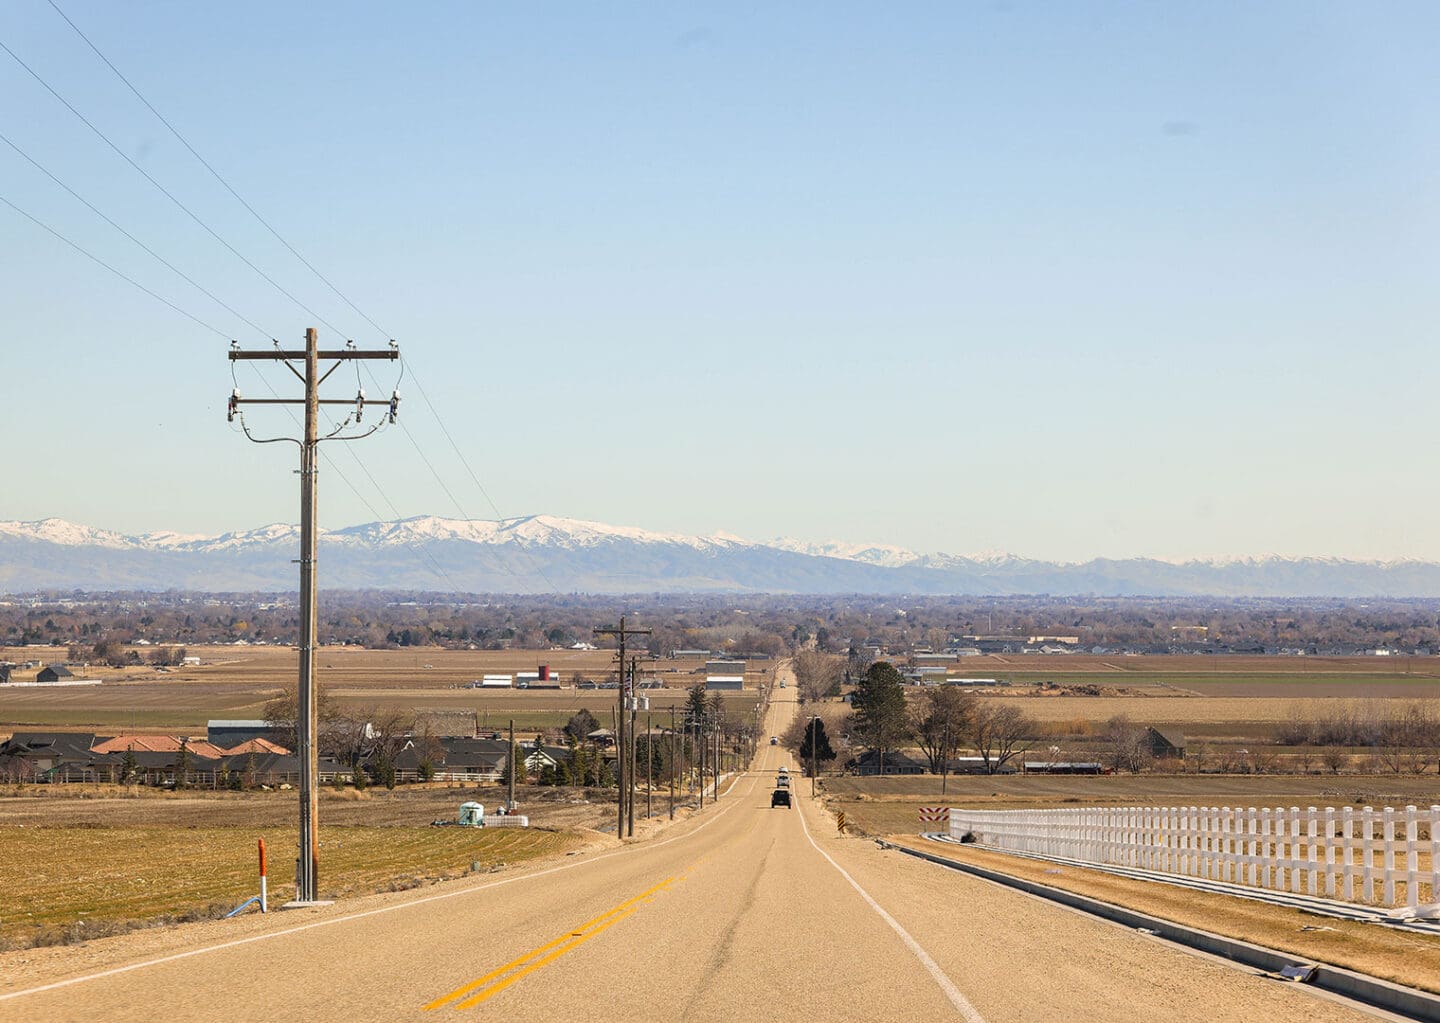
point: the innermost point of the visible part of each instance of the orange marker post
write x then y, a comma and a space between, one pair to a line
264, 898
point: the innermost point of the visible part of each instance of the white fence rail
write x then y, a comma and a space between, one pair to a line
1386, 856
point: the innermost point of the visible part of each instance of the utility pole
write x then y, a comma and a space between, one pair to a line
649, 764
307, 865
633, 702
510, 806
621, 750
673, 765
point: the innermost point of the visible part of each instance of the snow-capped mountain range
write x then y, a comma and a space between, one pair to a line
542, 553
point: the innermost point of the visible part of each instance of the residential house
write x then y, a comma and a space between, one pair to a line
1165, 743
895, 762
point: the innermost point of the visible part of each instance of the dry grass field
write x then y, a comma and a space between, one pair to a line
98, 860
236, 682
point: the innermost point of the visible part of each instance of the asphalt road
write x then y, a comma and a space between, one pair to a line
741, 913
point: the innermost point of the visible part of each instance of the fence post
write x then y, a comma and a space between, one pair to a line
1434, 854
1312, 851
1330, 852
1389, 838
1367, 860
1412, 856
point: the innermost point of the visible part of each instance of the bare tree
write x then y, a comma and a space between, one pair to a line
940, 719
816, 674
997, 732
1125, 744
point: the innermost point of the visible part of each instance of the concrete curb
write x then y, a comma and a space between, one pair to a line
1382, 994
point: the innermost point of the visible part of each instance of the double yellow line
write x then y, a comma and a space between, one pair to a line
495, 981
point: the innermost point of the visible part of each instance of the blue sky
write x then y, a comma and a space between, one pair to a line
1059, 279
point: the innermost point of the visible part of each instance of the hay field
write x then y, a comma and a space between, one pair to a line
236, 682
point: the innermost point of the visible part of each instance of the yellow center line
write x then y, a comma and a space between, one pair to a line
572, 937
495, 989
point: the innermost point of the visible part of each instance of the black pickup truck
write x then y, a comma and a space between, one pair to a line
780, 797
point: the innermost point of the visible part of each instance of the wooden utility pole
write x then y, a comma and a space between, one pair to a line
621, 749
673, 766
649, 764
307, 865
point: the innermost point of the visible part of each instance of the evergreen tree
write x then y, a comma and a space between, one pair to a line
129, 766
182, 766
881, 720
697, 707
822, 750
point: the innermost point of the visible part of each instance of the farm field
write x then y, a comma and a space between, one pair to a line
101, 864
236, 682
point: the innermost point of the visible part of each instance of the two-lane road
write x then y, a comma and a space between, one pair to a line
741, 913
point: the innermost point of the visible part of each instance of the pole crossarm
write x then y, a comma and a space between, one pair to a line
287, 355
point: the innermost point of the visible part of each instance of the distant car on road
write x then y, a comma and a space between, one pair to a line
780, 797
774, 740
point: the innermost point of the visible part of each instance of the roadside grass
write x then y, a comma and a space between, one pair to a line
68, 884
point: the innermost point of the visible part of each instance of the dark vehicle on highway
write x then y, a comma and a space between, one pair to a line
780, 797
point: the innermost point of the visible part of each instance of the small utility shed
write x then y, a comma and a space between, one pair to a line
1165, 742
54, 673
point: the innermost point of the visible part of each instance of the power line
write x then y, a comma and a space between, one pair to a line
285, 242
296, 253
214, 173
127, 279
165, 262
165, 191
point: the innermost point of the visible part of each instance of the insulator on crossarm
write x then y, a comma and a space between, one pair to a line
394, 405
359, 404
234, 405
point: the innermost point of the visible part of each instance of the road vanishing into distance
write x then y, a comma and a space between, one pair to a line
738, 913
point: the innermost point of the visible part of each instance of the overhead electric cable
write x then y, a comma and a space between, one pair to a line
127, 279
214, 173
166, 192
169, 265
296, 253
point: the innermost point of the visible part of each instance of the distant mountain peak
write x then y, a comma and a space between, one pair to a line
536, 553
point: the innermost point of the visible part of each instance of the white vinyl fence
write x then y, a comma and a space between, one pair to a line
1339, 854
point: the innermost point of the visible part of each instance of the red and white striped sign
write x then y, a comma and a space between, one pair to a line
935, 814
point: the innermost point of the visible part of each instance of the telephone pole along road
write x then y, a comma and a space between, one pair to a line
739, 913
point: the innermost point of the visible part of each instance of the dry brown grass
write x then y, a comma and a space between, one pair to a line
85, 867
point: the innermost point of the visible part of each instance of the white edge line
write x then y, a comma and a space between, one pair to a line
961, 1003
113, 971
